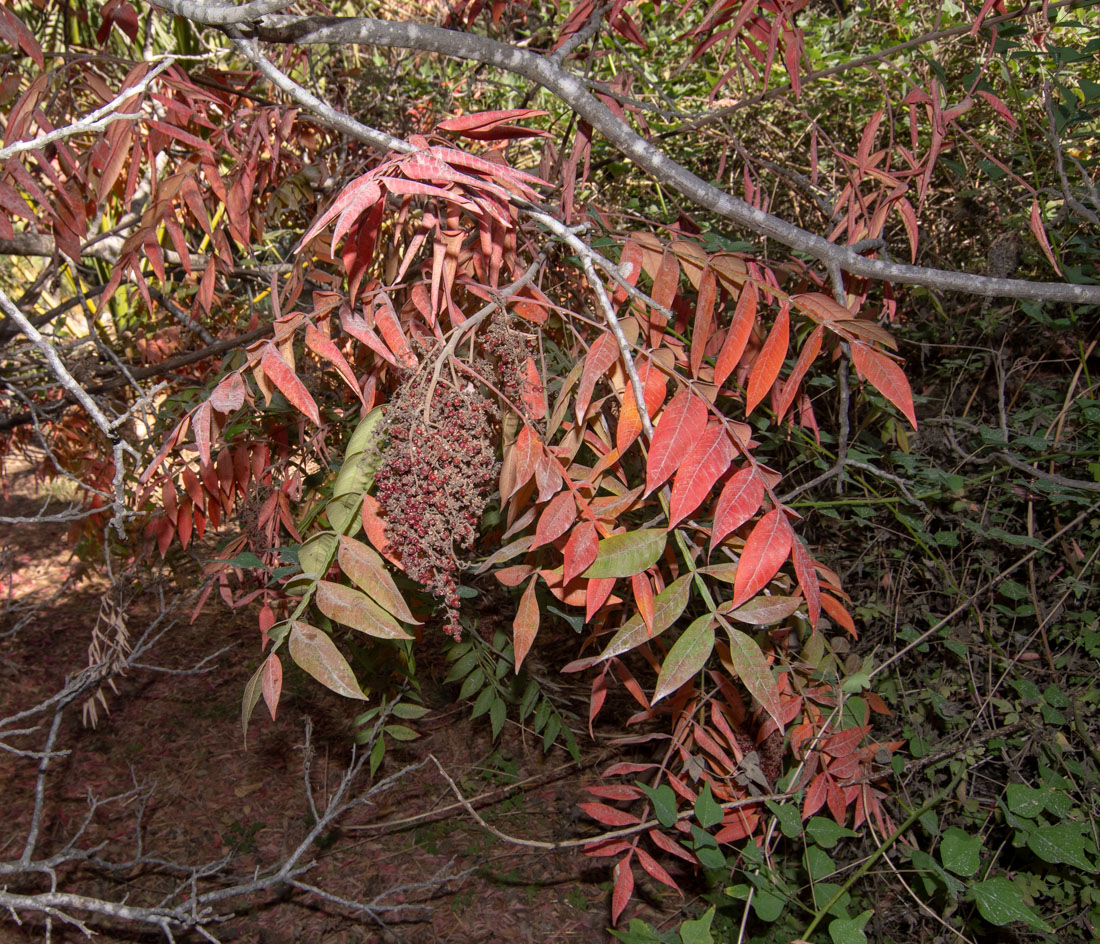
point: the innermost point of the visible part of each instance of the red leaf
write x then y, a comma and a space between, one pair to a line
744, 317
681, 424
703, 326
596, 594
624, 887
200, 424
580, 550
1035, 222
272, 683
556, 519
837, 803
769, 361
739, 501
283, 376
323, 347
885, 376
671, 847
486, 125
620, 791
528, 451
766, 549
534, 394
608, 815
385, 319
999, 107
844, 742
807, 580
526, 624
229, 394
815, 796
603, 353
654, 868
359, 197
704, 465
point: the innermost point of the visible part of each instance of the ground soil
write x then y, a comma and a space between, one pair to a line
210, 795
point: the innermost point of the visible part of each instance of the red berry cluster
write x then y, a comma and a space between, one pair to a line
434, 481
509, 349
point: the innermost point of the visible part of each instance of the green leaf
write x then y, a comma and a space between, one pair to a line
960, 852
354, 608
827, 832
313, 651
687, 656
252, 690
1000, 903
790, 819
698, 930
550, 735
377, 753
849, 930
1023, 800
754, 672
623, 555
462, 667
484, 702
498, 711
409, 711
819, 864
638, 932
367, 434
663, 799
472, 683
667, 607
768, 907
365, 567
1062, 843
707, 810
763, 611
925, 863
315, 554
400, 732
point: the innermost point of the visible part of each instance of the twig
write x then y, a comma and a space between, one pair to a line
95, 121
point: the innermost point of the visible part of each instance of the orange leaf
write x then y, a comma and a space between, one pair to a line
654, 388
702, 467
815, 796
769, 361
885, 376
526, 624
643, 599
834, 609
682, 422
810, 349
1035, 222
766, 548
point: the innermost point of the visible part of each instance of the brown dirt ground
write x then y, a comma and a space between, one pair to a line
214, 796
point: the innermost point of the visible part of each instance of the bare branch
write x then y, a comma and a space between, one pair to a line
571, 90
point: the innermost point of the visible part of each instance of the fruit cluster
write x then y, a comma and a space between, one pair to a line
509, 349
434, 481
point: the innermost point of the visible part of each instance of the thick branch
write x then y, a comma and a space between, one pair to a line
570, 89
